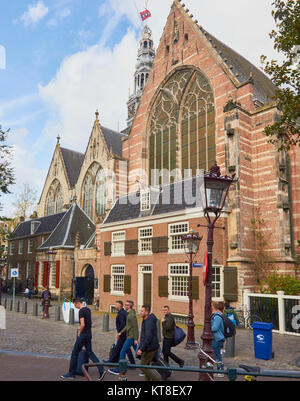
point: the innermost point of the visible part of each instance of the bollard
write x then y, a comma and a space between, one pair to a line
105, 322
230, 347
57, 313
11, 305
158, 330
71, 316
18, 307
35, 309
25, 308
5, 303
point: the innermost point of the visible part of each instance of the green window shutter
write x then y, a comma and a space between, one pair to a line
106, 283
230, 283
195, 291
131, 247
127, 285
163, 286
107, 248
163, 244
155, 244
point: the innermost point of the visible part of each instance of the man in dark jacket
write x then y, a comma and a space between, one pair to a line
120, 324
168, 327
149, 343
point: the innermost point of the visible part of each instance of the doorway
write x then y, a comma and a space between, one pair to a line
85, 286
145, 285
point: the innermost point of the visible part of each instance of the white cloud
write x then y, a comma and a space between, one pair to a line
59, 16
34, 14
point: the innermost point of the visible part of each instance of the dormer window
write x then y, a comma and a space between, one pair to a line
34, 226
145, 200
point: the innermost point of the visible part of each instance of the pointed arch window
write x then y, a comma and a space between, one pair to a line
59, 200
88, 191
50, 203
54, 203
181, 128
101, 194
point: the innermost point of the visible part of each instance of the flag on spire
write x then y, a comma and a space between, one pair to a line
145, 14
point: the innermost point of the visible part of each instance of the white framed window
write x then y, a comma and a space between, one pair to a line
21, 247
217, 283
27, 270
41, 274
145, 240
145, 200
117, 279
118, 243
179, 281
176, 231
30, 246
12, 248
20, 271
52, 279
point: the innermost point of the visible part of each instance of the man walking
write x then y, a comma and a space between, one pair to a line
168, 327
131, 330
84, 339
149, 343
120, 325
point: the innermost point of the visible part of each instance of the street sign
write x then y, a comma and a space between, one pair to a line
14, 273
198, 265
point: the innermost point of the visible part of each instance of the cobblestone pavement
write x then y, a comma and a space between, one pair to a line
29, 334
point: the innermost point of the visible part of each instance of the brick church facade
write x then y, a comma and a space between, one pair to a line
195, 101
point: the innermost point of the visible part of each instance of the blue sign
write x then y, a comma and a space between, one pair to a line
198, 265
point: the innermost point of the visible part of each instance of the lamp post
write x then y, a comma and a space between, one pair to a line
50, 256
2, 266
191, 241
216, 190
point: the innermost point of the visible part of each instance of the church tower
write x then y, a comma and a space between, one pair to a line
146, 54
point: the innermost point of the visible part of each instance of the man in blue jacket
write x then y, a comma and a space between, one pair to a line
217, 327
149, 343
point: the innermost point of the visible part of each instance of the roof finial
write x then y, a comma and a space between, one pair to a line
58, 139
97, 114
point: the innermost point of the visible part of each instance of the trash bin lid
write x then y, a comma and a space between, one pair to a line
262, 326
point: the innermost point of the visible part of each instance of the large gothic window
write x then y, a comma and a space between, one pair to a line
182, 128
88, 193
101, 194
54, 202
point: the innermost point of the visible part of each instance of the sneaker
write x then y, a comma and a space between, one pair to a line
101, 377
67, 376
181, 364
142, 374
114, 371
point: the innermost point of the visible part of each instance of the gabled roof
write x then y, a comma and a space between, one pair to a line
73, 162
47, 225
113, 140
64, 235
178, 196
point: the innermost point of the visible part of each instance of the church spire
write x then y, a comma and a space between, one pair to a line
146, 54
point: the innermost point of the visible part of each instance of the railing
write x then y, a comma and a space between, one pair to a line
232, 373
281, 310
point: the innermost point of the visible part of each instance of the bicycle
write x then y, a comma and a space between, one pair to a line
246, 318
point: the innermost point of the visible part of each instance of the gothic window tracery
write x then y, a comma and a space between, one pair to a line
54, 202
182, 127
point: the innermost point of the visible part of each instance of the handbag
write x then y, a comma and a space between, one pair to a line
179, 335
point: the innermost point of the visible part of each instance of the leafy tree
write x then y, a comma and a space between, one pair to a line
6, 171
25, 201
285, 132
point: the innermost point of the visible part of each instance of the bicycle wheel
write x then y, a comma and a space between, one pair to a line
251, 319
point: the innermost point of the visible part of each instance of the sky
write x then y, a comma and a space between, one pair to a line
60, 60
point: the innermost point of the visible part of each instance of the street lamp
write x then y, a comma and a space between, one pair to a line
191, 245
50, 256
216, 190
2, 266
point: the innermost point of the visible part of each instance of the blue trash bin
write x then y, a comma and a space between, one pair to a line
262, 336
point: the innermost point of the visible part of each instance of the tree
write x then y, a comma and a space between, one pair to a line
25, 201
6, 171
285, 132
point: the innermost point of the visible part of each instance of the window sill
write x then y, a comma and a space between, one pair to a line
117, 293
178, 299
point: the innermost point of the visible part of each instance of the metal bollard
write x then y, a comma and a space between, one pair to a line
106, 322
35, 309
18, 307
230, 347
57, 313
5, 303
71, 316
158, 330
25, 308
11, 305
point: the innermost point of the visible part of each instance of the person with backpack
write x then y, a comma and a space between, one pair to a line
230, 313
217, 327
168, 328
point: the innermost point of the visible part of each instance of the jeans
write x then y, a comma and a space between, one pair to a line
129, 342
217, 346
117, 350
84, 340
168, 343
146, 359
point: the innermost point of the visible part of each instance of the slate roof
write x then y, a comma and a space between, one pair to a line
174, 197
264, 89
73, 161
47, 225
113, 140
64, 236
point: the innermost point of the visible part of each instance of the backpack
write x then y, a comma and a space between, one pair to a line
229, 327
179, 335
230, 316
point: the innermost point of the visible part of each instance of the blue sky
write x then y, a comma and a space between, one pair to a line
66, 58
